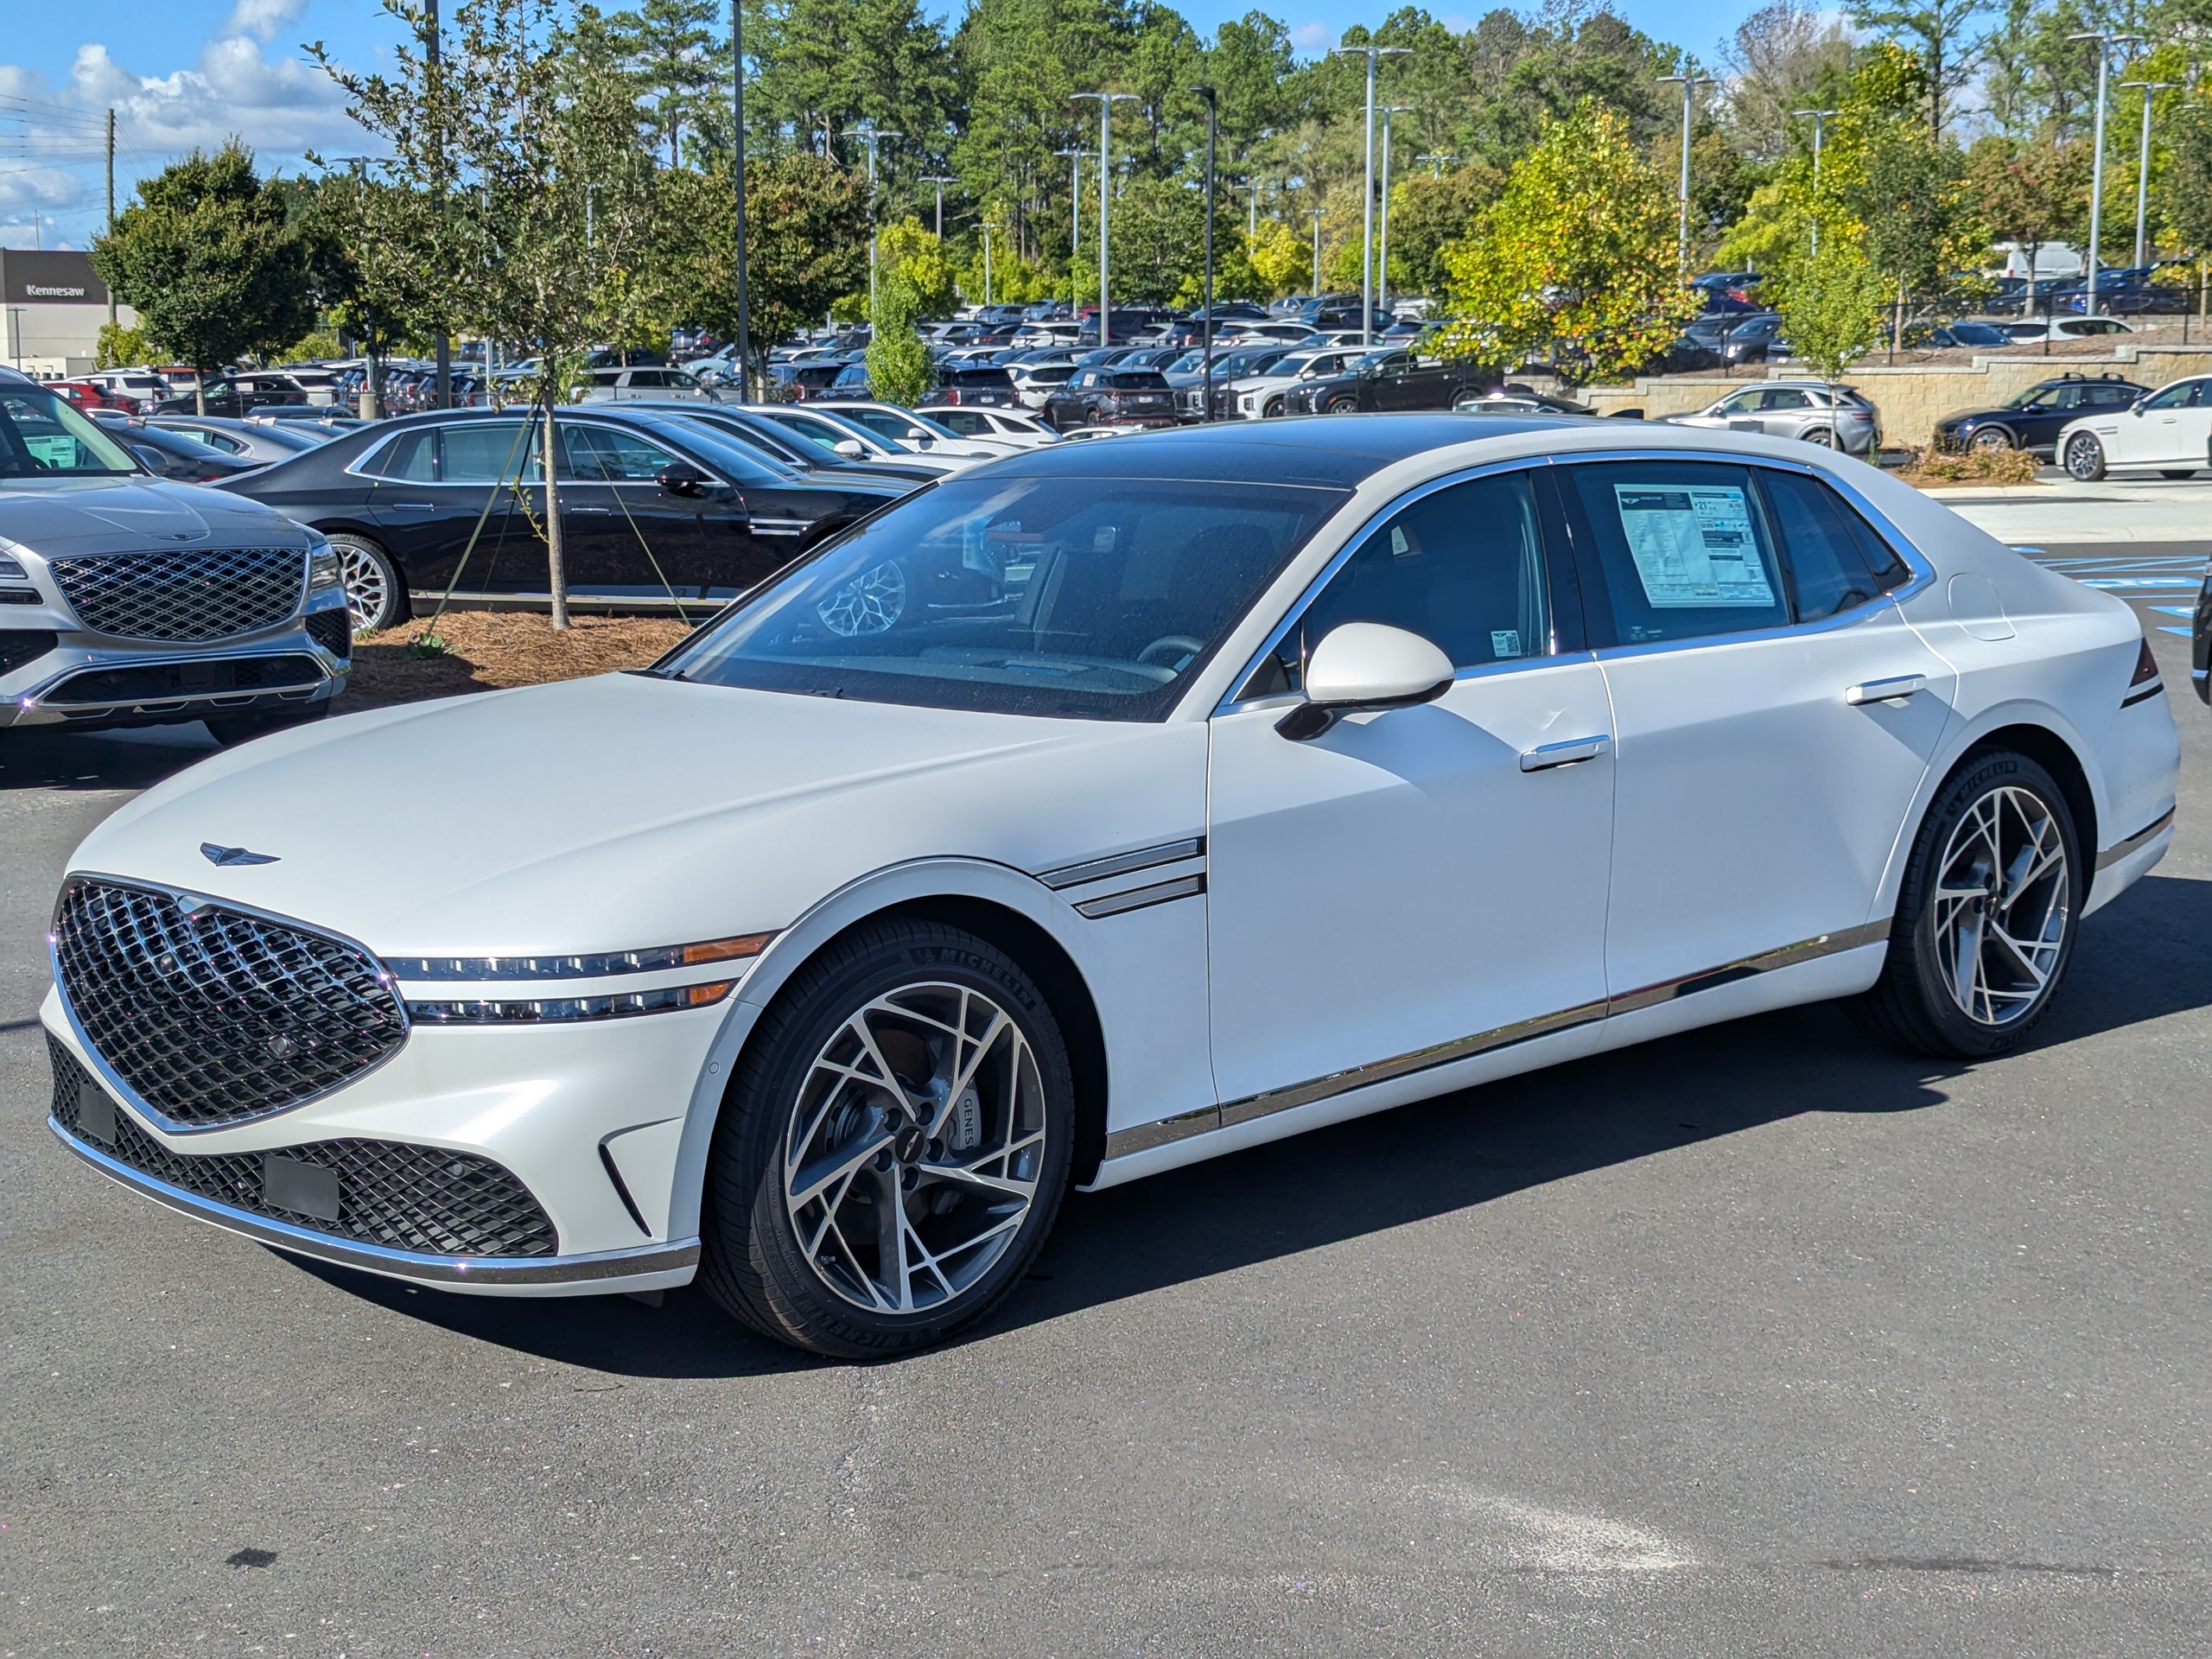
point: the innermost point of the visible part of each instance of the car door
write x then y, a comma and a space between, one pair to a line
623, 536
428, 505
1425, 876
1783, 410
1738, 411
2171, 425
1773, 715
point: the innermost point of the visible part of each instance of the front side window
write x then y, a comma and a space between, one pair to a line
1084, 598
1684, 549
2180, 395
1462, 567
600, 455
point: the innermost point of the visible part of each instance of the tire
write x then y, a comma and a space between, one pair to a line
376, 588
229, 730
2177, 472
1342, 406
2085, 458
1998, 806
1991, 437
1819, 434
800, 1095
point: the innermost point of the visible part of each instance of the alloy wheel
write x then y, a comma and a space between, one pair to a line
2002, 905
368, 585
1991, 437
915, 1147
2085, 458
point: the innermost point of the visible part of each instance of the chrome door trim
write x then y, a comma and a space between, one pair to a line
1144, 1136
2136, 842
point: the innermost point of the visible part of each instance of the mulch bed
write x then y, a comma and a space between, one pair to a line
488, 650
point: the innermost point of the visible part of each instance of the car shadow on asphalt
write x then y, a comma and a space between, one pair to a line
42, 758
2143, 959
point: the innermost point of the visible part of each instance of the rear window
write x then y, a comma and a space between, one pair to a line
1136, 380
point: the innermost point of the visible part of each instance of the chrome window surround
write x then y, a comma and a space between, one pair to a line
357, 467
107, 1075
1922, 574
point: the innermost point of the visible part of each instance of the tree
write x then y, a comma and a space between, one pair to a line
208, 258
1936, 31
1575, 260
677, 53
1281, 260
914, 256
898, 361
1831, 308
1778, 61
1910, 198
2028, 194
1428, 212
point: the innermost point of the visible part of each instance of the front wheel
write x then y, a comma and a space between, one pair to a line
1987, 914
2085, 458
1991, 437
376, 592
894, 1146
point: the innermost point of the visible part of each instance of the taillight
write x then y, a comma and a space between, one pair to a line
2147, 668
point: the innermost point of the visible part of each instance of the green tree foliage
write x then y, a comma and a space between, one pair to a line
910, 254
1428, 212
209, 259
1938, 33
2032, 192
120, 347
677, 53
1831, 306
898, 361
1575, 261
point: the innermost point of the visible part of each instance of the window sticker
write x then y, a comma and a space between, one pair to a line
1504, 642
1693, 546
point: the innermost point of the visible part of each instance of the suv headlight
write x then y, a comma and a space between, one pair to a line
324, 570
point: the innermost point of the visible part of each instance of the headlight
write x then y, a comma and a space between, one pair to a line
9, 567
323, 568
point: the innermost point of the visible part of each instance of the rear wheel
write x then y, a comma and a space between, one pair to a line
894, 1147
1819, 434
2085, 457
1986, 916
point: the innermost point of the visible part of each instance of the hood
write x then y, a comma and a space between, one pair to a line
115, 514
625, 812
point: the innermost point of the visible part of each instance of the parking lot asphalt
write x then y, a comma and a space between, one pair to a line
1759, 1340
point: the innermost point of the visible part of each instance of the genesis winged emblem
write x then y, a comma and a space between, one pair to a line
225, 857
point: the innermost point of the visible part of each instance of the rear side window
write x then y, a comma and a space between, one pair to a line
487, 452
1684, 549
1830, 569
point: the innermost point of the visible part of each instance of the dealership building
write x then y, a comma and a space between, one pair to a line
54, 304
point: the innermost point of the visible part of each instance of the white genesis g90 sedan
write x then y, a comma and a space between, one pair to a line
1096, 811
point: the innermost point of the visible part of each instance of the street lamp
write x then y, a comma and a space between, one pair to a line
1106, 102
1367, 193
1690, 85
1314, 213
2104, 42
1382, 249
737, 117
1820, 121
2150, 89
871, 136
1205, 329
1075, 197
1252, 224
940, 179
1436, 160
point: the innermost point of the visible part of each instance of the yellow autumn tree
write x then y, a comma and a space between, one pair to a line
1575, 262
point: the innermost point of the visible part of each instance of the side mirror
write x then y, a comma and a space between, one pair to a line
151, 459
1362, 665
2135, 409
850, 448
681, 478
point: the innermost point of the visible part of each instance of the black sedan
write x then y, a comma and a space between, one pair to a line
657, 513
752, 431
175, 454
1389, 380
1112, 397
2032, 418
235, 395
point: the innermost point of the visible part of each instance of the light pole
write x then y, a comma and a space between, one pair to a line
737, 115
940, 179
871, 136
1205, 329
1252, 223
1383, 248
1075, 198
1106, 102
1690, 85
1820, 120
2104, 42
987, 259
1436, 160
1314, 213
2150, 90
1367, 193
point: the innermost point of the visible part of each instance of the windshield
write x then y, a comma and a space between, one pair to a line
2029, 398
739, 462
1084, 597
42, 435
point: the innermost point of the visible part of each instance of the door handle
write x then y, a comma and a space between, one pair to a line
412, 506
1546, 756
1890, 690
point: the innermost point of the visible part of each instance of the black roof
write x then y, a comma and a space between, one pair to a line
1331, 451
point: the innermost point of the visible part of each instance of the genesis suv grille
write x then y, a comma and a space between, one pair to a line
188, 594
390, 1193
213, 1016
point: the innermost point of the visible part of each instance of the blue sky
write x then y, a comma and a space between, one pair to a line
187, 72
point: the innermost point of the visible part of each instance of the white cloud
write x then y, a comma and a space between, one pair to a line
261, 18
1313, 37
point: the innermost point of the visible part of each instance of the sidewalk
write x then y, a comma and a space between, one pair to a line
2065, 512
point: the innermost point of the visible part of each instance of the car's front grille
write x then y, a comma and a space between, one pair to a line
334, 632
163, 682
213, 1016
403, 1196
184, 593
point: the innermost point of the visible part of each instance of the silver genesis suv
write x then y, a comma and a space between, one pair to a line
129, 601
